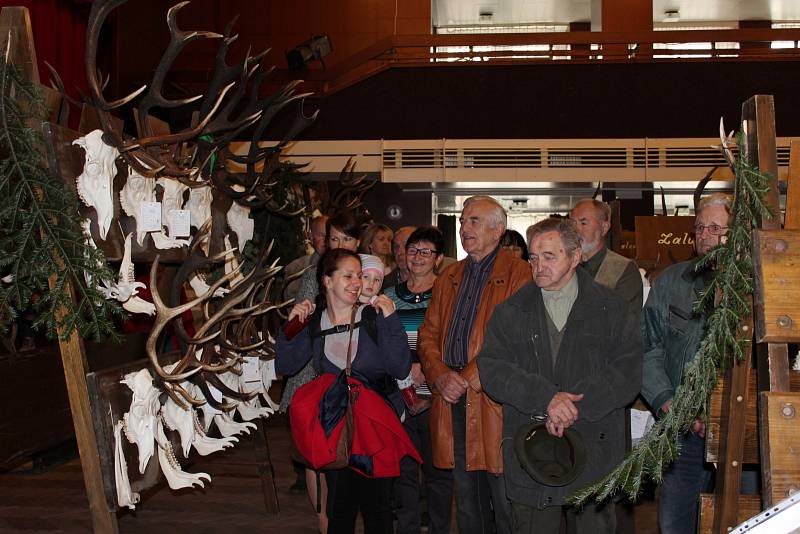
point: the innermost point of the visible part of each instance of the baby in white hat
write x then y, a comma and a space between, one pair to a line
371, 277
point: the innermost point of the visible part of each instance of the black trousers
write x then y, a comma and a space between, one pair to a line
481, 503
591, 519
438, 484
350, 493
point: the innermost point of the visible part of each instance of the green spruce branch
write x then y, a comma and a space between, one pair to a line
40, 233
721, 344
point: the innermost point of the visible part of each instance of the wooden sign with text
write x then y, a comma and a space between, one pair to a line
627, 245
662, 241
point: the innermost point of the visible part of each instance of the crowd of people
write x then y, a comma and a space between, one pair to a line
508, 373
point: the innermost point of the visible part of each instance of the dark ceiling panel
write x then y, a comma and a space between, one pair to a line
554, 101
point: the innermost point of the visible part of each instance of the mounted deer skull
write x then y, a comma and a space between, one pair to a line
199, 205
141, 418
137, 189
95, 183
240, 222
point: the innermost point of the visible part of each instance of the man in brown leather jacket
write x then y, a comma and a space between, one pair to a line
466, 425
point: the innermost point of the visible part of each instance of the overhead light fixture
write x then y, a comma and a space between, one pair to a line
485, 15
315, 48
672, 15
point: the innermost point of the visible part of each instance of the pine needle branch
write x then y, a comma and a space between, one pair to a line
721, 343
40, 232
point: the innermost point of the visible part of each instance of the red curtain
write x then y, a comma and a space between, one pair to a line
59, 33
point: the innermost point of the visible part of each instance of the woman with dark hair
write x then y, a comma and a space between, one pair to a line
424, 255
341, 232
515, 243
376, 239
379, 356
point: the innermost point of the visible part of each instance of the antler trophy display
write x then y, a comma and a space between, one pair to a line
233, 342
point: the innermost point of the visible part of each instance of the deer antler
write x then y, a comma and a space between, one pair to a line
350, 195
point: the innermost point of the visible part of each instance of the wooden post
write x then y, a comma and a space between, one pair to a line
731, 454
792, 221
73, 356
758, 117
780, 445
16, 22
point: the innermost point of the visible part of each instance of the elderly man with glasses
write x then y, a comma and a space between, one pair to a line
672, 333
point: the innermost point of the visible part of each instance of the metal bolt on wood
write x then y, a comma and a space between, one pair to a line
787, 410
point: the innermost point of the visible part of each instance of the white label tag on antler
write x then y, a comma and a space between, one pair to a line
179, 223
250, 369
149, 217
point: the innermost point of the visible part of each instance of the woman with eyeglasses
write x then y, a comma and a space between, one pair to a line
424, 254
341, 231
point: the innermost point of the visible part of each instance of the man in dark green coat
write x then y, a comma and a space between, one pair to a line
567, 347
672, 333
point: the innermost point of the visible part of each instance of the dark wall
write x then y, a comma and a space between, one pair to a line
554, 101
415, 207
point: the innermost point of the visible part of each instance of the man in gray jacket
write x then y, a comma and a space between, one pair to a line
567, 347
673, 332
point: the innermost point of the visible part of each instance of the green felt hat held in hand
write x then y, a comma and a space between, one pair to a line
550, 460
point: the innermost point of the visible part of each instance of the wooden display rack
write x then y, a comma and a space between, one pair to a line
754, 415
89, 408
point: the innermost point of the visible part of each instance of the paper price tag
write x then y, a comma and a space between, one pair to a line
179, 223
149, 217
250, 369
269, 371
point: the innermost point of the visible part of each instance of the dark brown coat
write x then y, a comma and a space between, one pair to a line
484, 416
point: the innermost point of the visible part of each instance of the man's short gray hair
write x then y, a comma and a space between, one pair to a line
603, 209
715, 199
566, 228
497, 215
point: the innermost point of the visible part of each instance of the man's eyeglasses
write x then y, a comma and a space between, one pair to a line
424, 252
713, 229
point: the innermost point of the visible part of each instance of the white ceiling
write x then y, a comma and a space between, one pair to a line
710, 10
457, 12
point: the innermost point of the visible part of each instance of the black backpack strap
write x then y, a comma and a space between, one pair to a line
338, 329
368, 322
313, 331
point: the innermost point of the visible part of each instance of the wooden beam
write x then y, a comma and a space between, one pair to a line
792, 221
746, 507
731, 458
15, 24
73, 356
714, 438
758, 117
776, 256
264, 465
780, 445
648, 36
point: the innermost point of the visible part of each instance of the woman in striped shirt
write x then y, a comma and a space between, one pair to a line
424, 255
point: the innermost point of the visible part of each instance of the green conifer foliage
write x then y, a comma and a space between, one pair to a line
40, 233
722, 343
